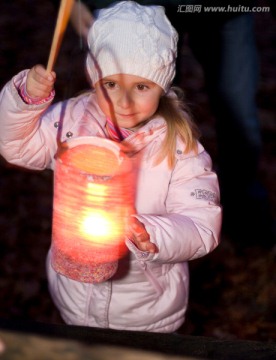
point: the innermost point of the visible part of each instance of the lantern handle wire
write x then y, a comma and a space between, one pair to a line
62, 20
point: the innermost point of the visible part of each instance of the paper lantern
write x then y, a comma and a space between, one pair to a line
93, 199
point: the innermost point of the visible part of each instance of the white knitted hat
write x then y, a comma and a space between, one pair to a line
128, 38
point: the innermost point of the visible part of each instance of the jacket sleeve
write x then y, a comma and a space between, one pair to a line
191, 227
24, 139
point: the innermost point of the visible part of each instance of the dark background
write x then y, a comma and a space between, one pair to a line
233, 293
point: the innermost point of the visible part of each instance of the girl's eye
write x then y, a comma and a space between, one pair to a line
142, 87
110, 84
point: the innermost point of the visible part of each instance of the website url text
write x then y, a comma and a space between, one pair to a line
221, 9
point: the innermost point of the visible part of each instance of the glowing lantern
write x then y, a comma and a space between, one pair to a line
93, 199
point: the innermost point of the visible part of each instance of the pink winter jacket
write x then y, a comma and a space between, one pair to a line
179, 208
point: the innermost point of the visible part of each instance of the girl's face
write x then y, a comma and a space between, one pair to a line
130, 99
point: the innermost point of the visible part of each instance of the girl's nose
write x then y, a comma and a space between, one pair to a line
124, 100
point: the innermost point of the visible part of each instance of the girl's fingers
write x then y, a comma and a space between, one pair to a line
140, 237
42, 75
40, 82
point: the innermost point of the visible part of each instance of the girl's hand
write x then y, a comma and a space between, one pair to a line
139, 236
40, 83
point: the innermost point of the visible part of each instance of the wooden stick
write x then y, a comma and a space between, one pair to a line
62, 20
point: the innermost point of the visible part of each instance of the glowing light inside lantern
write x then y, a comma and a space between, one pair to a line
97, 224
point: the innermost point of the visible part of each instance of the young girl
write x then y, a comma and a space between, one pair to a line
131, 66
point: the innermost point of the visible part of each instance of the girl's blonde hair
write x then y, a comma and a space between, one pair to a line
179, 125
